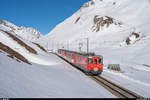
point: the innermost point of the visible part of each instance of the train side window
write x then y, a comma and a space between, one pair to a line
90, 61
95, 61
100, 61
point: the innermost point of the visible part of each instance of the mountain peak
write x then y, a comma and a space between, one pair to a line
103, 20
29, 33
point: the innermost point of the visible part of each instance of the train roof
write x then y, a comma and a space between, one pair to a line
82, 53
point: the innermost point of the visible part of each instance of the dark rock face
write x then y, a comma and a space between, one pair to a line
13, 53
99, 22
30, 32
30, 49
42, 48
77, 19
128, 41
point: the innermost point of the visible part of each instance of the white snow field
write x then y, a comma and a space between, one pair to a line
28, 33
48, 76
134, 75
60, 80
124, 41
117, 29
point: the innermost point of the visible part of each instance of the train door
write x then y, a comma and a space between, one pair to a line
96, 63
95, 60
65, 54
78, 60
73, 59
100, 61
60, 52
90, 63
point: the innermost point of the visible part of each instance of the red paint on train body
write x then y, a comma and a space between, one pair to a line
86, 62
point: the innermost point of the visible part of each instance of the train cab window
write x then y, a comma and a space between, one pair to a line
95, 61
100, 61
90, 61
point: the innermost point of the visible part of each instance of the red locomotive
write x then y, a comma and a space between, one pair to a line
89, 63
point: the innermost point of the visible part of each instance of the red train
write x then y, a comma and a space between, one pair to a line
89, 63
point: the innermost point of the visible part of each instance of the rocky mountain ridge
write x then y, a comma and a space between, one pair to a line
29, 33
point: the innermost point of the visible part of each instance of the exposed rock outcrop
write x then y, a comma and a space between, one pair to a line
13, 53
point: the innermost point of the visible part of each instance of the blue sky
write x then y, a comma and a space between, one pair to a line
42, 15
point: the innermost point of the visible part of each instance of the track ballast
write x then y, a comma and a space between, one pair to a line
115, 89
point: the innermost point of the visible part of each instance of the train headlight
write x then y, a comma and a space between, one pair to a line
95, 69
72, 60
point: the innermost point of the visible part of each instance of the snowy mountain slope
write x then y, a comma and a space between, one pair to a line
29, 49
127, 16
42, 75
26, 33
118, 30
13, 54
107, 23
20, 80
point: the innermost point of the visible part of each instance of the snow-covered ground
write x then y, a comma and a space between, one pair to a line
29, 33
134, 75
126, 41
48, 76
59, 80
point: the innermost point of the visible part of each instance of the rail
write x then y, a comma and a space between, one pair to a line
117, 90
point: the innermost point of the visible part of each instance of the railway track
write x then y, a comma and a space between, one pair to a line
118, 91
